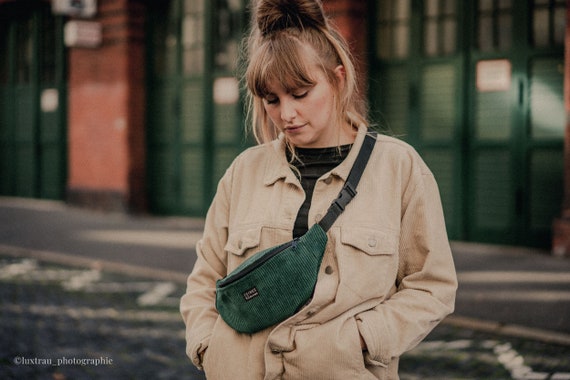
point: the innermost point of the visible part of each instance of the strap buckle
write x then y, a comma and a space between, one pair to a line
345, 196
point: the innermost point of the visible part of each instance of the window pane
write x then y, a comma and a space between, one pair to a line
164, 39
401, 41
505, 31
559, 25
485, 33
449, 37
48, 50
385, 10
449, 7
540, 27
193, 37
403, 9
228, 33
505, 4
485, 5
24, 49
430, 38
431, 8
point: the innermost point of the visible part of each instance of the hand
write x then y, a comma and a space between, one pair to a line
363, 345
201, 355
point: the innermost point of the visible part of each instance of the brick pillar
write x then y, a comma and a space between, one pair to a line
106, 118
561, 227
350, 16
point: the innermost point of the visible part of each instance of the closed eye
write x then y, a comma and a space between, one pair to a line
300, 95
271, 100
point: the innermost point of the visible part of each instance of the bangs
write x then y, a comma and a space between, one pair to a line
282, 61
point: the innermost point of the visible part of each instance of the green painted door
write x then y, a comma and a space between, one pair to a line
416, 89
476, 87
517, 121
32, 102
194, 113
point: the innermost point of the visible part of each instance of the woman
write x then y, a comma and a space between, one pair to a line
387, 275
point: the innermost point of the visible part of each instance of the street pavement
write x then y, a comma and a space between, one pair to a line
93, 295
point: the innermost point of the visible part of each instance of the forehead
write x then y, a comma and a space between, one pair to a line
289, 84
283, 65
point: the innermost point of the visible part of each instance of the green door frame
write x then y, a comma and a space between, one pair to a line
526, 183
189, 144
396, 84
32, 132
400, 94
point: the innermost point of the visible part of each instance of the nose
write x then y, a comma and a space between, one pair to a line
288, 111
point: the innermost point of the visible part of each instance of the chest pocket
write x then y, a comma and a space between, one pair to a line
370, 241
368, 260
241, 241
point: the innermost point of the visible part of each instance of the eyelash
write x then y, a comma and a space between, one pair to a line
299, 96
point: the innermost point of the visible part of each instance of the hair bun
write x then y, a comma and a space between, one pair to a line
275, 15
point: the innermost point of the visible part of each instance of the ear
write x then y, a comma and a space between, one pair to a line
340, 74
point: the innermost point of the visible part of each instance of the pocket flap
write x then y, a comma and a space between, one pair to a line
240, 241
369, 240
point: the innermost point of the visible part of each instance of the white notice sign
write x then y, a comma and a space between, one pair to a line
494, 75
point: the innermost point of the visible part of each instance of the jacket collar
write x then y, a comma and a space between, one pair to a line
278, 168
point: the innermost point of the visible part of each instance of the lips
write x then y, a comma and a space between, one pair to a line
293, 128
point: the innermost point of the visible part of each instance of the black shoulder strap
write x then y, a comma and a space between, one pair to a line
349, 190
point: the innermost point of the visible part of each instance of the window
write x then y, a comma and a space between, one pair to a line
24, 50
47, 43
394, 18
495, 25
193, 36
548, 22
227, 34
440, 27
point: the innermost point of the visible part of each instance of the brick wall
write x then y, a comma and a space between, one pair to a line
350, 16
106, 103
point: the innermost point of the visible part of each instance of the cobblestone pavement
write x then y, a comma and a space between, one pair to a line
64, 323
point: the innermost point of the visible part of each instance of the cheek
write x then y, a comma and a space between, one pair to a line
324, 104
273, 113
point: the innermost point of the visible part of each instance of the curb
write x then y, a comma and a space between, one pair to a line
83, 262
511, 330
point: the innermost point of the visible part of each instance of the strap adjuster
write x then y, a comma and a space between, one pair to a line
345, 196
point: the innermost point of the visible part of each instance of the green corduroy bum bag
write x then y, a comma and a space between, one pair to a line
274, 284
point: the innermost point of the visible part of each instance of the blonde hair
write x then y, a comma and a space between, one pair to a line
281, 31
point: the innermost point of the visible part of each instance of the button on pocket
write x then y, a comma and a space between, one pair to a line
370, 241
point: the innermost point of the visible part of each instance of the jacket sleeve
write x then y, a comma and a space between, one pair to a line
197, 305
426, 281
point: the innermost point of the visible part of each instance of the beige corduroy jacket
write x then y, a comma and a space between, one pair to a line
387, 272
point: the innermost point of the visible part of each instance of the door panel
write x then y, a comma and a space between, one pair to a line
483, 106
493, 196
438, 102
32, 121
192, 135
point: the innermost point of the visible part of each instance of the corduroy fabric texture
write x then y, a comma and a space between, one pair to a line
252, 300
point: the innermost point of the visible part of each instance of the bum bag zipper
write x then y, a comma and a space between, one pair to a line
234, 277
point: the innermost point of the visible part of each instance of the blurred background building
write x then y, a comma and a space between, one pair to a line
133, 105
